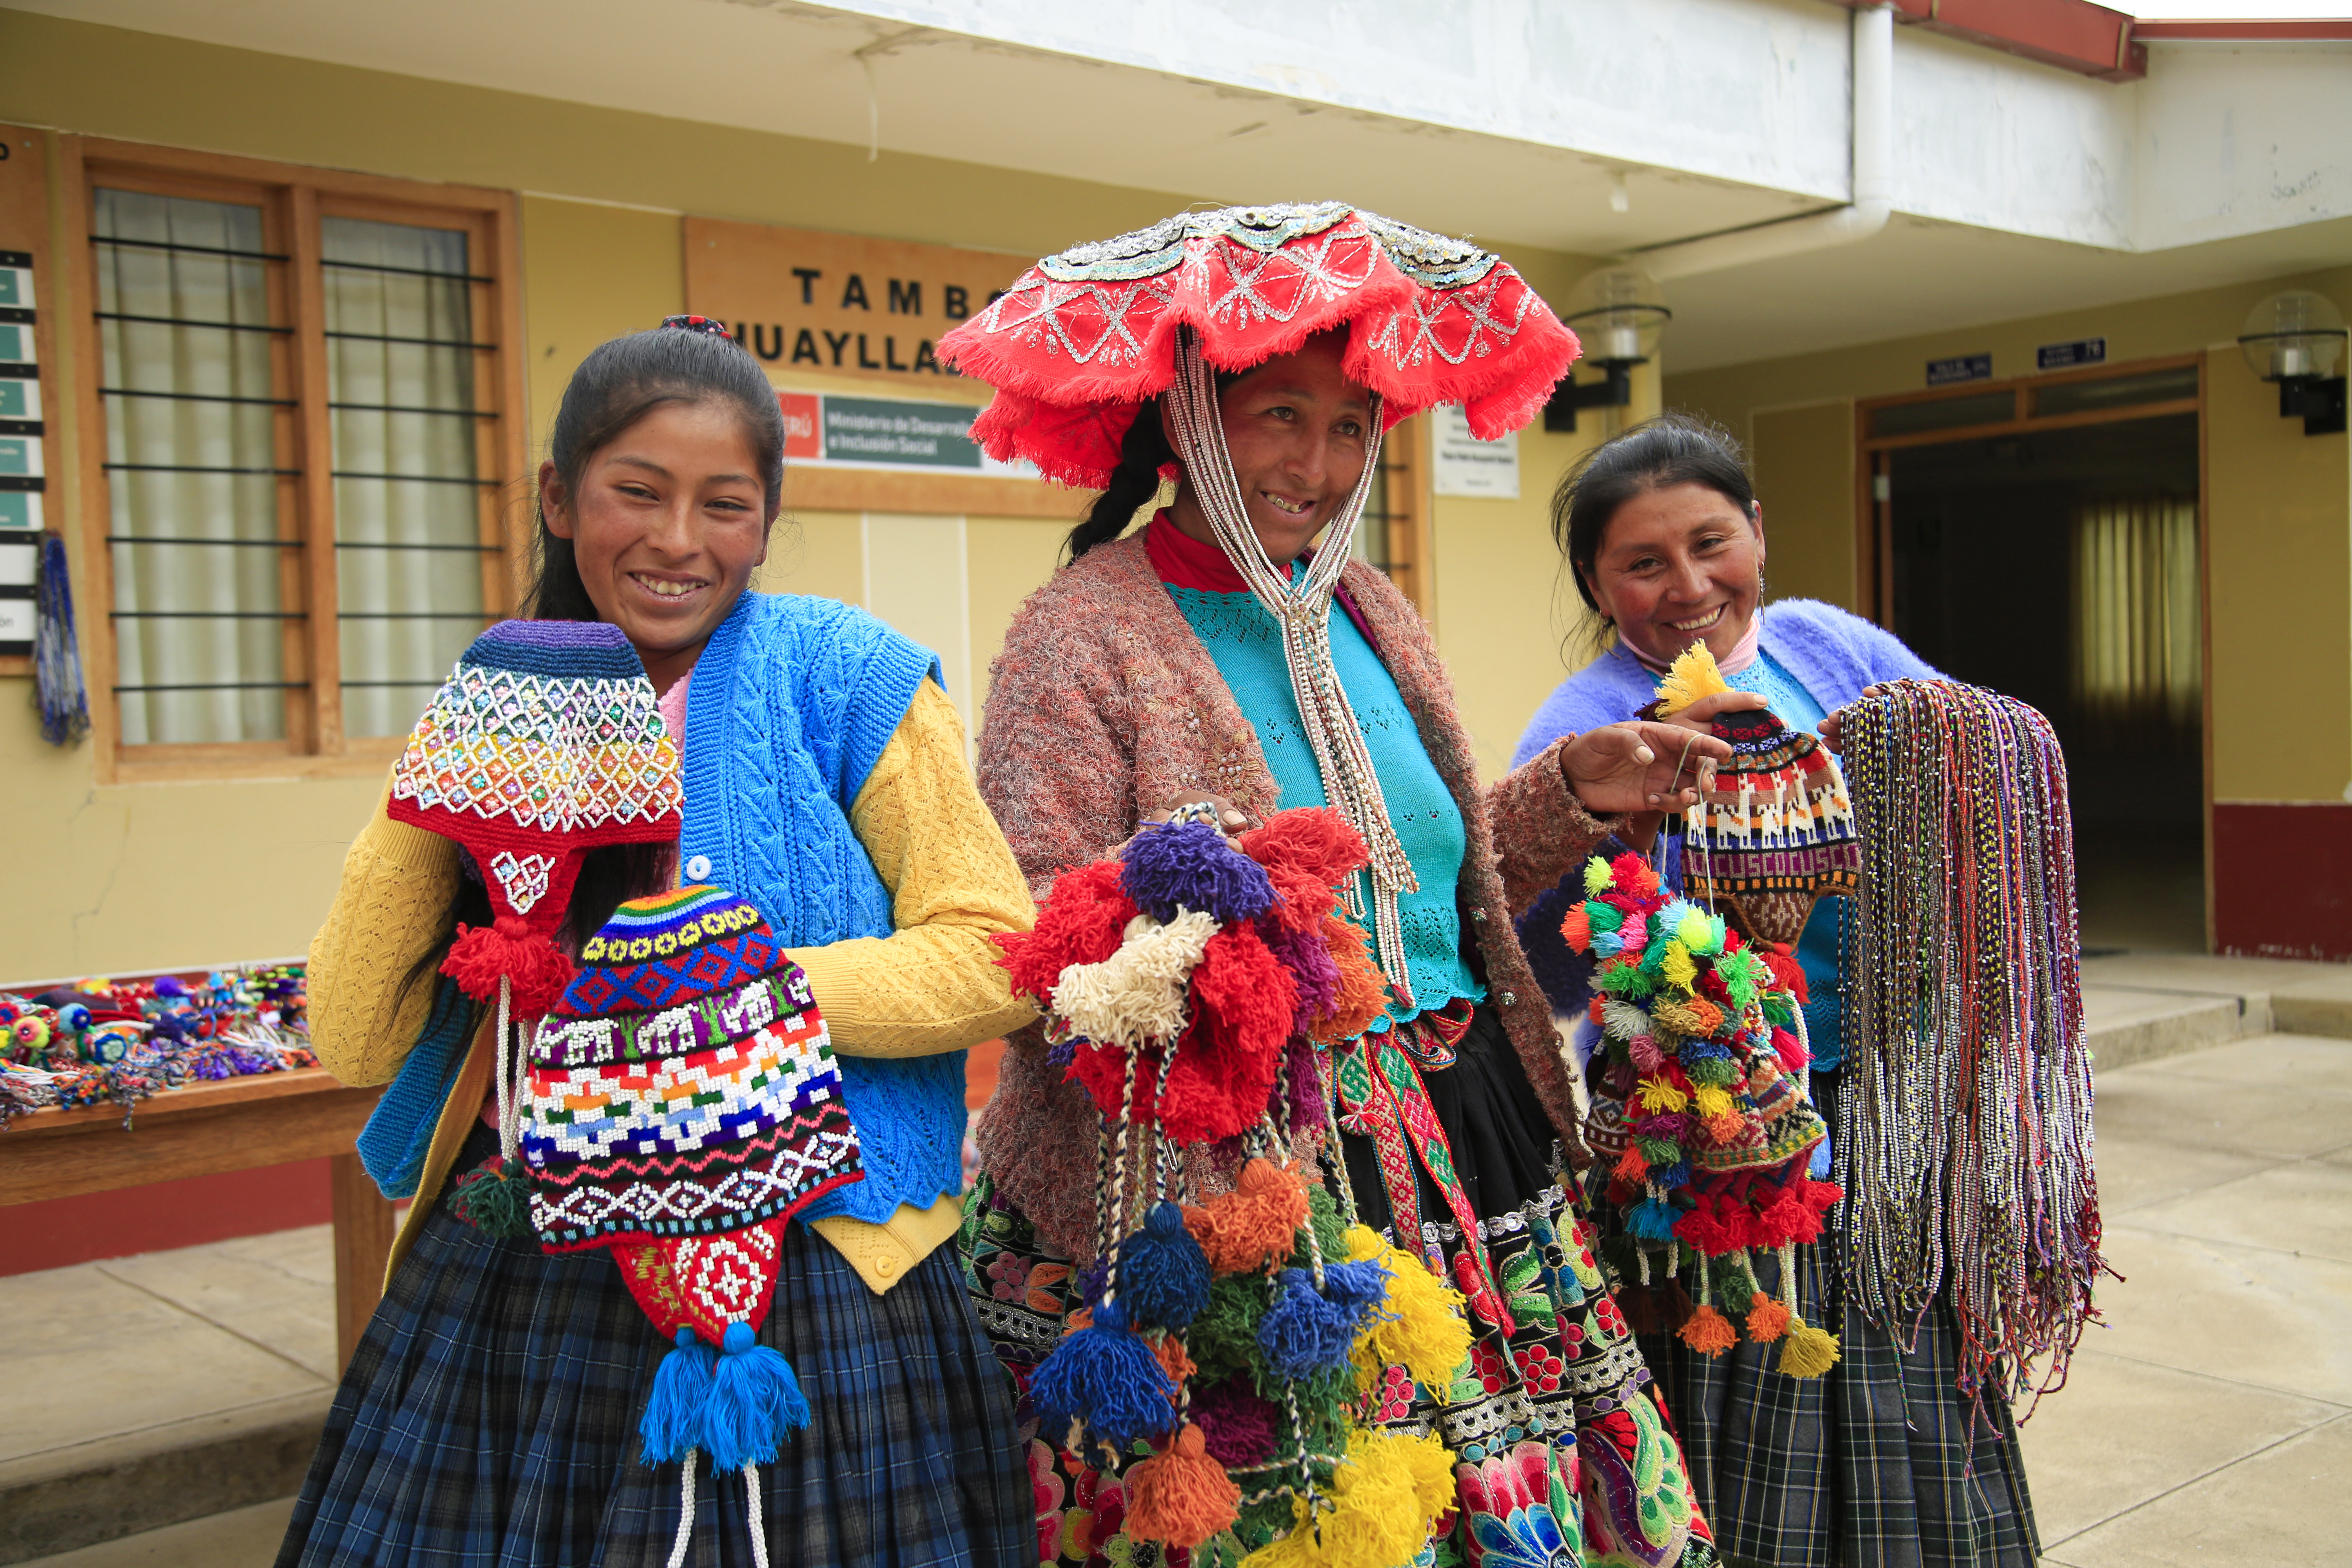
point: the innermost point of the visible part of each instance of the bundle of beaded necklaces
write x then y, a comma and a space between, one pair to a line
1964, 1137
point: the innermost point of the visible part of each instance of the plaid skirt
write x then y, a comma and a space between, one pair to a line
490, 1418
1883, 1463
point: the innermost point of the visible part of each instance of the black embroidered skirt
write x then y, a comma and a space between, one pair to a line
1883, 1463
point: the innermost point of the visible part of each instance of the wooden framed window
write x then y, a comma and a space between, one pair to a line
304, 457
1394, 532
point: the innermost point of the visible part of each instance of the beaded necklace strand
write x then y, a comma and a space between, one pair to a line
1964, 1139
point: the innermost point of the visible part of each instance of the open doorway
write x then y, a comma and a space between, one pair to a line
2057, 561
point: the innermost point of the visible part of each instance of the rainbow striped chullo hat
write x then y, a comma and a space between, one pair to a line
683, 1105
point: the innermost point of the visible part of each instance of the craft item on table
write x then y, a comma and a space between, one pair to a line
682, 1105
1082, 342
1964, 1129
1237, 1336
543, 744
101, 1041
1699, 1122
1773, 829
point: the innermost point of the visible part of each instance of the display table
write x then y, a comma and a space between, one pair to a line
231, 1124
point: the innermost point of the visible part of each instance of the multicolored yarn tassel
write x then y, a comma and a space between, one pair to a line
1237, 1335
1964, 1131
1703, 1130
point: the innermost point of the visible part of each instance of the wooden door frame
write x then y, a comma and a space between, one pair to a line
1873, 518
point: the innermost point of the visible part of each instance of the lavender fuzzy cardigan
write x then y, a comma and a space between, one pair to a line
1103, 705
1832, 654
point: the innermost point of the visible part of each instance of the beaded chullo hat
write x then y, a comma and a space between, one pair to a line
683, 1104
544, 743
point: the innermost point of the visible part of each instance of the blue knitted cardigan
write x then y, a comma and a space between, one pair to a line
793, 701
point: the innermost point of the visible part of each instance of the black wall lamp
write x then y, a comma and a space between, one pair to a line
1619, 314
2295, 340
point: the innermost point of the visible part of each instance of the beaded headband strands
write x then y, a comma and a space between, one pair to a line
1964, 1137
697, 324
1303, 611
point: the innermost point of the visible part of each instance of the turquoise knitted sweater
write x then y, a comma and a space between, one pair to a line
1246, 646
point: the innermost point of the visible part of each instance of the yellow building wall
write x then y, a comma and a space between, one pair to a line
1508, 619
2278, 523
142, 877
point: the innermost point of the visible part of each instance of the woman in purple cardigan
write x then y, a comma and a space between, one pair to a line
1883, 1460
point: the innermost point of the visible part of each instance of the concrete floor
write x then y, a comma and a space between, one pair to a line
2209, 1421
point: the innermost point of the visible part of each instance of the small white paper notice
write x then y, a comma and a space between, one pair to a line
1469, 466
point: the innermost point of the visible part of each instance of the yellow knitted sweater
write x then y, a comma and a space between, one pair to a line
932, 985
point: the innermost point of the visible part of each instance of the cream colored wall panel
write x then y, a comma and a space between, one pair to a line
915, 581
1803, 459
1008, 559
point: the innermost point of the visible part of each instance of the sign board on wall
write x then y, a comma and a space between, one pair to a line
1464, 466
839, 304
886, 433
2066, 356
1960, 367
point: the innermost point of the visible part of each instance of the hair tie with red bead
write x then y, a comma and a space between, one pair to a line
698, 324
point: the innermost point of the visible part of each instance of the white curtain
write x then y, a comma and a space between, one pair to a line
200, 644
407, 556
2138, 657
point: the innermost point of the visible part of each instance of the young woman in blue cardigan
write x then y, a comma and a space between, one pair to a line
490, 1415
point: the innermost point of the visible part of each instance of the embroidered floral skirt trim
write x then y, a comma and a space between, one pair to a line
1563, 1454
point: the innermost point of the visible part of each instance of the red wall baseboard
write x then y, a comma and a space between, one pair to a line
2283, 878
186, 1213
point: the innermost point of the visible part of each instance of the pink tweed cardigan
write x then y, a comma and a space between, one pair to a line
1104, 705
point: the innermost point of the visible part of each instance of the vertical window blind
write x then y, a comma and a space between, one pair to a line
243, 583
408, 526
2139, 648
193, 380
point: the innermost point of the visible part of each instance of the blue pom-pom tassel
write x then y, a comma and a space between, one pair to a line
1189, 864
1107, 1378
1653, 1219
1361, 1290
673, 1415
755, 1403
1163, 1275
1303, 1333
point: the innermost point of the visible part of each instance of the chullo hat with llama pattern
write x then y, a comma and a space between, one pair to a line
683, 1104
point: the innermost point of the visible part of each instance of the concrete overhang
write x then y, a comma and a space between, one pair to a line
2017, 187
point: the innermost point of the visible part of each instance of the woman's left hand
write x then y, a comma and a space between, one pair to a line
1832, 726
1639, 766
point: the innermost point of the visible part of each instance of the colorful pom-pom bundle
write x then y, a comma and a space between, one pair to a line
117, 1042
1229, 1345
1699, 1116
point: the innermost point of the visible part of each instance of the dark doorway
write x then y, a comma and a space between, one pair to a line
2060, 566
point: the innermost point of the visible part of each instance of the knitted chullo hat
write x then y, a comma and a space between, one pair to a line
683, 1105
543, 744
1773, 830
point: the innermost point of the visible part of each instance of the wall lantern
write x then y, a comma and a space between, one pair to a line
2297, 339
1619, 314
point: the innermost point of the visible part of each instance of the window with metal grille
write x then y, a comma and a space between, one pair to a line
1392, 533
305, 386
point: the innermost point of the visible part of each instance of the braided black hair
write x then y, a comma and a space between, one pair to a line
1134, 481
